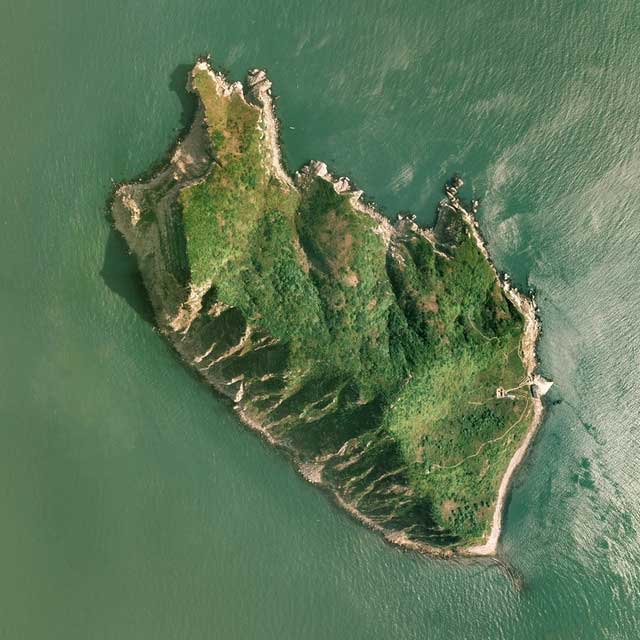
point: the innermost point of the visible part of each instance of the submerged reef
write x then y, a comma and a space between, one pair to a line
390, 361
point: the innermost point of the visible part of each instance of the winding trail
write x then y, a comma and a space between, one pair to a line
438, 467
189, 163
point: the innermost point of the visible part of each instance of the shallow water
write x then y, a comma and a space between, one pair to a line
132, 502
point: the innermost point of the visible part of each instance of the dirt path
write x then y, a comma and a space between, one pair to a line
489, 547
484, 444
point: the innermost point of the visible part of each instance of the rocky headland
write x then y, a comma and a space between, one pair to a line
392, 363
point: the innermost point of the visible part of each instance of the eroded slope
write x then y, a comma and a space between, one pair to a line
371, 352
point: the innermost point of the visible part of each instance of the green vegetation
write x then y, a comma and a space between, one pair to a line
379, 360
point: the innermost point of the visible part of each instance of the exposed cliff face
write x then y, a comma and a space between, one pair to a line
371, 352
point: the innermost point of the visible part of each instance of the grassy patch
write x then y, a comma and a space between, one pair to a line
398, 351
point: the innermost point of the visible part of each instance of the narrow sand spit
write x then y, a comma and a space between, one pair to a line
489, 547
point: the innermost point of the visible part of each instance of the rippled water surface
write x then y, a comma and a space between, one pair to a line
132, 502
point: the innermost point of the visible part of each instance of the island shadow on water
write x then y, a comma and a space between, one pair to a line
121, 274
120, 269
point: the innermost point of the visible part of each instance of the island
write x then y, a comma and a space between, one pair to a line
392, 363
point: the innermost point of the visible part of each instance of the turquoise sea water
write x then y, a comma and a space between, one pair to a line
132, 502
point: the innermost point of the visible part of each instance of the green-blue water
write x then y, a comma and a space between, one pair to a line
132, 502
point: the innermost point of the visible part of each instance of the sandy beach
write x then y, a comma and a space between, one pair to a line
260, 88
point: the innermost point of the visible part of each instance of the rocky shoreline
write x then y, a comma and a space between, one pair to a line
188, 165
528, 309
524, 304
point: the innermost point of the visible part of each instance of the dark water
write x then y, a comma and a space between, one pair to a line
132, 503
